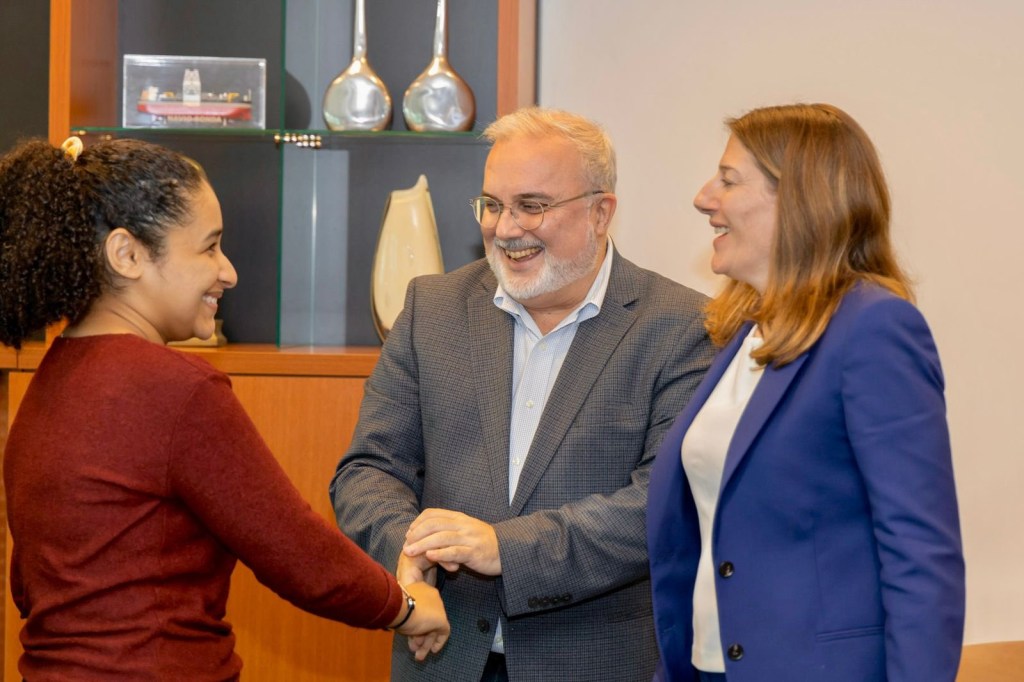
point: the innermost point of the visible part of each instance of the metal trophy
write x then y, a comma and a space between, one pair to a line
357, 99
439, 99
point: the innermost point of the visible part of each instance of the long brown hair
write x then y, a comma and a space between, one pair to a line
832, 232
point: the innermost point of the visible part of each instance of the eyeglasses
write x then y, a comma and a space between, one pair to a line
527, 214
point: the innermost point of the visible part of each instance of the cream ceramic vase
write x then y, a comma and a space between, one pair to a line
408, 246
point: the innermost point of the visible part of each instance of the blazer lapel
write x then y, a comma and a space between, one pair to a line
769, 391
595, 341
491, 337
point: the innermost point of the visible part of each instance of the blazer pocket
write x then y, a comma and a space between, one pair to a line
850, 633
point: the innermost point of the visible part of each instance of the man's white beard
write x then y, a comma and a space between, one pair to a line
555, 273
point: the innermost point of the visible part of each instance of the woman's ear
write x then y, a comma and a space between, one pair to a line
125, 254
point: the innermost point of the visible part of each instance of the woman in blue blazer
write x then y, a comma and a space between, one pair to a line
802, 516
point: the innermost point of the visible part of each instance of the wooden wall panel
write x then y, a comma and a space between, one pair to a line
517, 54
17, 383
83, 55
308, 423
992, 662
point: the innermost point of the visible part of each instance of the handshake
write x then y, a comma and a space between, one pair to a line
439, 537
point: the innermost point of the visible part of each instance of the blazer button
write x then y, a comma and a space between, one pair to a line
483, 626
726, 569
532, 602
735, 652
566, 598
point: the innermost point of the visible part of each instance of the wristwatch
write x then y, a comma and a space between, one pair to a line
410, 604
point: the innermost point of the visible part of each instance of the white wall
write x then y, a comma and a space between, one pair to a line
939, 85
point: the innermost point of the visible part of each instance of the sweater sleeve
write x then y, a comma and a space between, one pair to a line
220, 467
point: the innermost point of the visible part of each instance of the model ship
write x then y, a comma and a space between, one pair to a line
194, 105
211, 108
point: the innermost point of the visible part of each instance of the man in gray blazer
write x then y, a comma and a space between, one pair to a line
506, 435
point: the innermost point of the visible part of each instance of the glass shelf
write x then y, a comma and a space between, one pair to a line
328, 139
341, 140
234, 134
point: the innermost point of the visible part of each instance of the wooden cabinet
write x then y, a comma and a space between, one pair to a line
305, 403
15, 385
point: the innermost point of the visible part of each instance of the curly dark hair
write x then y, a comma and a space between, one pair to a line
55, 214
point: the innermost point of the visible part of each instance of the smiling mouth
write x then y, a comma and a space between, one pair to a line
211, 300
522, 253
719, 230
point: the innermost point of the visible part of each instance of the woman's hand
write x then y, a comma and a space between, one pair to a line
427, 628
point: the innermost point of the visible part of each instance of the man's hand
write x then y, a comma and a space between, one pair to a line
452, 539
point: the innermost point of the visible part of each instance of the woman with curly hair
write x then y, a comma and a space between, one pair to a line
802, 515
134, 478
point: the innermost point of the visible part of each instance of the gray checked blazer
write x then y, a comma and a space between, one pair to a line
574, 598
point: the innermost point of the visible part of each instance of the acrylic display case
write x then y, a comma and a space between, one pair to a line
170, 91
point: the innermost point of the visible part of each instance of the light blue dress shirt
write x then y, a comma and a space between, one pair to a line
537, 359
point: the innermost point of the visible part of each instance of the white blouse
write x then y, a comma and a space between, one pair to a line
703, 453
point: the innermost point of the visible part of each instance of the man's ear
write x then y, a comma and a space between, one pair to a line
604, 209
125, 254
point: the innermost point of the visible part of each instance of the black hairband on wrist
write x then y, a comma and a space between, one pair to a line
410, 603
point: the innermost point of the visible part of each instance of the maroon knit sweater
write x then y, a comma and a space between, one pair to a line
134, 481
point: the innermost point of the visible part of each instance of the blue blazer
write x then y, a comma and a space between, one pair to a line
836, 538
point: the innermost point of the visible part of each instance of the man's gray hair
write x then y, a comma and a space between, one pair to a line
589, 138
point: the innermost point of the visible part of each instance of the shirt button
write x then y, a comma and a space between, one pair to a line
735, 652
726, 569
529, 403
